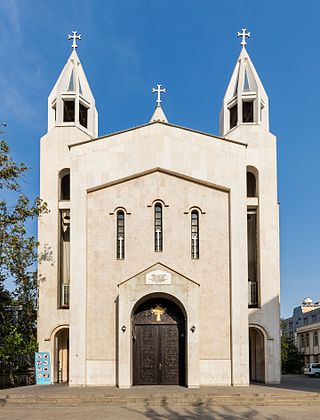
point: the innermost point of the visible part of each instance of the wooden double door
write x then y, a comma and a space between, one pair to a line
158, 345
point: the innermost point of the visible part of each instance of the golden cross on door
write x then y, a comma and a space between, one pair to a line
158, 310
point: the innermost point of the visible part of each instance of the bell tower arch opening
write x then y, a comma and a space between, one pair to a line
61, 356
256, 355
159, 341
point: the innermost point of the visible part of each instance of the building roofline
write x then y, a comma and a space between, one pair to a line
163, 123
179, 175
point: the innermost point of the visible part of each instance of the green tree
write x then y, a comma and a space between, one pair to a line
290, 357
18, 254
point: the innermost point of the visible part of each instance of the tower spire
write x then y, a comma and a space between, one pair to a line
245, 101
71, 102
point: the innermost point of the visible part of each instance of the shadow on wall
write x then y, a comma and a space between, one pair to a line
44, 257
116, 303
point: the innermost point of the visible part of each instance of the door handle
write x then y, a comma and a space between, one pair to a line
160, 366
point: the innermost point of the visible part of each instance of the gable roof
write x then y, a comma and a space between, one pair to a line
161, 170
155, 265
158, 122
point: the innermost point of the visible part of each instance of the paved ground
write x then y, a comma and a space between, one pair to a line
161, 413
298, 383
291, 384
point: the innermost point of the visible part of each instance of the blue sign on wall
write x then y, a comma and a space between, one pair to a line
42, 366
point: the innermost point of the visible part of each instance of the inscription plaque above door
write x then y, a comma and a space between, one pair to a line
158, 277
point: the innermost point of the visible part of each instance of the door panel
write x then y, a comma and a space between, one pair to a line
146, 355
156, 355
169, 354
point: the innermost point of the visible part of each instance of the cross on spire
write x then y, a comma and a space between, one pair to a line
74, 37
158, 91
244, 34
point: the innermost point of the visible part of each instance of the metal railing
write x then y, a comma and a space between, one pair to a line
252, 293
65, 295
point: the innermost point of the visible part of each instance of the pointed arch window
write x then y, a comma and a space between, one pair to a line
158, 231
194, 234
120, 235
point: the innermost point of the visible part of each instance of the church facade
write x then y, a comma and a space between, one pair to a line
159, 259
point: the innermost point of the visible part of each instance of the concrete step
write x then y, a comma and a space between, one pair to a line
281, 399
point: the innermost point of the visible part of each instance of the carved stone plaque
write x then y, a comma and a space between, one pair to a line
158, 277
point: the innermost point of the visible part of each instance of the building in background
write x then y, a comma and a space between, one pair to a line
159, 259
304, 329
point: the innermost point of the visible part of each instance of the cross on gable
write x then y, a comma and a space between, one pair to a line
158, 91
243, 34
74, 37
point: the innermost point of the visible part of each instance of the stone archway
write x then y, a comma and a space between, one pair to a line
61, 356
256, 355
159, 342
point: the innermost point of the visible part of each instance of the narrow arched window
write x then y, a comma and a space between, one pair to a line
158, 232
64, 184
251, 185
65, 187
195, 234
252, 258
120, 235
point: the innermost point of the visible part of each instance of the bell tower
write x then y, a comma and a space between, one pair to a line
245, 101
71, 102
245, 117
72, 118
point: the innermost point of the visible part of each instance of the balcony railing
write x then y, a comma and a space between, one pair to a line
64, 295
252, 294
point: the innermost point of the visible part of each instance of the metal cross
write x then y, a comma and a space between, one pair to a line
158, 311
74, 37
243, 34
159, 91
194, 240
158, 231
120, 239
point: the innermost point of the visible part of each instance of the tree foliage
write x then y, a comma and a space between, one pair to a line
290, 357
18, 254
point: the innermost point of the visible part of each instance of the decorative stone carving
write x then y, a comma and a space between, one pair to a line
158, 277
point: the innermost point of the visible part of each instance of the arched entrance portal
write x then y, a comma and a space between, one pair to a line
159, 335
61, 368
256, 355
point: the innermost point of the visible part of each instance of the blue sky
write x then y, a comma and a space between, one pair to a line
189, 46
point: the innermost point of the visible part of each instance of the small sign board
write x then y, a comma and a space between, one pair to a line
42, 367
158, 277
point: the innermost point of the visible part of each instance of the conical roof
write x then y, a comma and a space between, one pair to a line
158, 115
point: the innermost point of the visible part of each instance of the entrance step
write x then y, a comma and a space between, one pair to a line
185, 398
